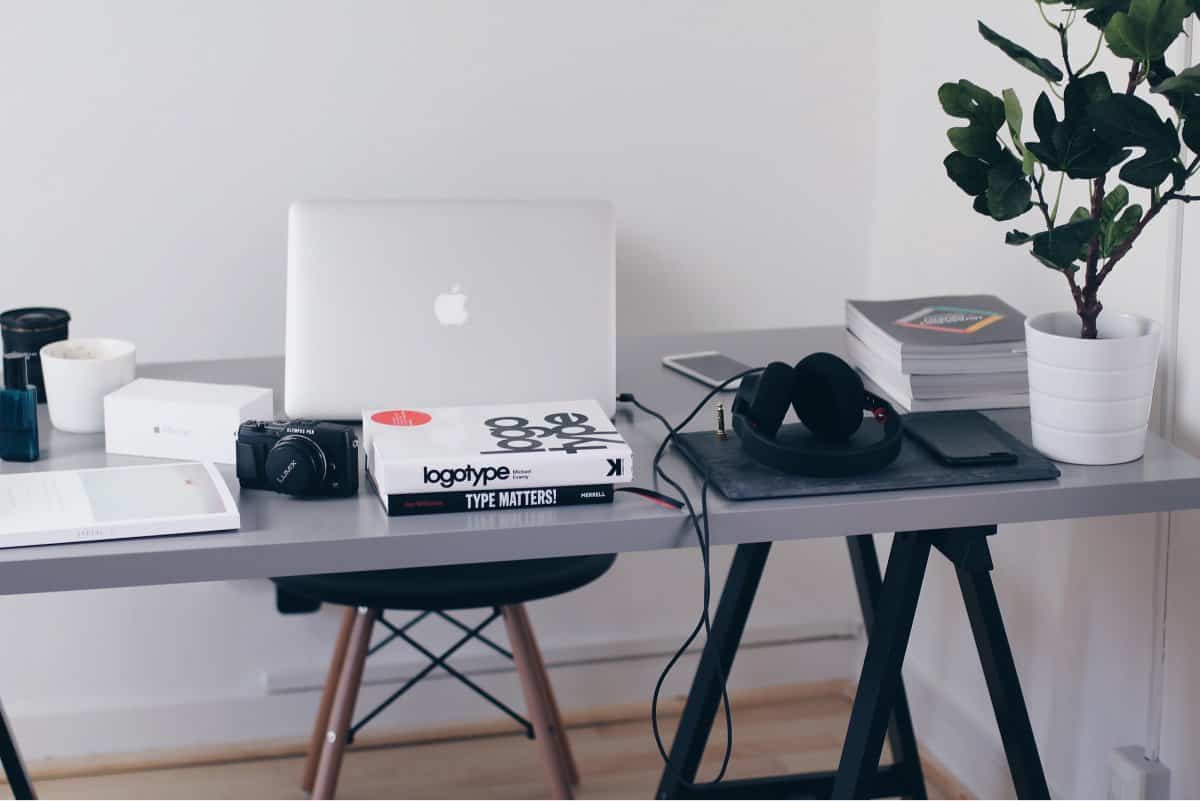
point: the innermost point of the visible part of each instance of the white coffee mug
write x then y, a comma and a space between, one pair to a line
78, 374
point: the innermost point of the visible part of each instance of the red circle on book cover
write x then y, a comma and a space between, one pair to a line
401, 417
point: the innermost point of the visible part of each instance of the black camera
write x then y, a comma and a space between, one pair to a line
298, 457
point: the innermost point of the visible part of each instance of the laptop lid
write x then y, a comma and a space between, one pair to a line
448, 302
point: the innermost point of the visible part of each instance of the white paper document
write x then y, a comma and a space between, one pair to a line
55, 506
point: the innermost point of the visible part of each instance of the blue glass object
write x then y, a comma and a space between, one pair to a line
18, 412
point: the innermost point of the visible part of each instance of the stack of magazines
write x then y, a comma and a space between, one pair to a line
940, 353
484, 458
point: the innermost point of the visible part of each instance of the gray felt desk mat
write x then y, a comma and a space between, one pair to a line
740, 478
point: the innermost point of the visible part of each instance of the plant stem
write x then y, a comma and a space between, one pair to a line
1135, 77
1095, 52
1041, 201
1087, 305
1057, 197
1045, 19
1157, 205
1062, 36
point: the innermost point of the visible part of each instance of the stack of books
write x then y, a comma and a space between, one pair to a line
483, 458
940, 353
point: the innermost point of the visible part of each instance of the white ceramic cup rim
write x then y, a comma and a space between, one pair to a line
110, 350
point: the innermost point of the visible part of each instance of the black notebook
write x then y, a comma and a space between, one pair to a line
740, 478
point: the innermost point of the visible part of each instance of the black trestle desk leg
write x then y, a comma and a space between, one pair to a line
864, 560
995, 655
880, 680
704, 698
10, 758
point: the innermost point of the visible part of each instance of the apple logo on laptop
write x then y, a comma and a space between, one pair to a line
450, 308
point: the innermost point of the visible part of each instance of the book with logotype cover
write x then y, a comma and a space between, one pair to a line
532, 454
942, 334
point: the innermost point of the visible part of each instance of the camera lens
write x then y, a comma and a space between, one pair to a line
295, 465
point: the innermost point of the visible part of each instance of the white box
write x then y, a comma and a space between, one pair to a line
181, 419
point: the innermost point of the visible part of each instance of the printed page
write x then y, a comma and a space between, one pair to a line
43, 502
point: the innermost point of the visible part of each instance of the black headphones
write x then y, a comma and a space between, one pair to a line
829, 398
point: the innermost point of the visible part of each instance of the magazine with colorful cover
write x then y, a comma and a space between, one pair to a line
942, 334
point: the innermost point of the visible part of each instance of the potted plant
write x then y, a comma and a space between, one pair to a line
1091, 375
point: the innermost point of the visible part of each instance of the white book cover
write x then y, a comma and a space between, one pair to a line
521, 445
106, 503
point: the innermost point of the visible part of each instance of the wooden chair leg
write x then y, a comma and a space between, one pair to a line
538, 707
334, 747
317, 741
543, 678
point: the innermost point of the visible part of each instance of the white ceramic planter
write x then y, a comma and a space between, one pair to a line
1089, 399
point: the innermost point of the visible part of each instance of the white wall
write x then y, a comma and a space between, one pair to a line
152, 149
1077, 596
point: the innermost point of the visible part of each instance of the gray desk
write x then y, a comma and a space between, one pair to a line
285, 536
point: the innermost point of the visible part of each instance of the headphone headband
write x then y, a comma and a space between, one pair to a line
825, 458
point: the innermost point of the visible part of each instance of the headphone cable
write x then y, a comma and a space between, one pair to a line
701, 526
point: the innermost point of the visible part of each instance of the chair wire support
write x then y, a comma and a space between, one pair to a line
440, 661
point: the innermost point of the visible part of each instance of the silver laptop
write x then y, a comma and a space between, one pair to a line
446, 302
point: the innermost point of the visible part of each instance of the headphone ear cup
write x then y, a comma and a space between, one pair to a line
828, 396
771, 398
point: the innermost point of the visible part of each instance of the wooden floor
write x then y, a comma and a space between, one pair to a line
776, 731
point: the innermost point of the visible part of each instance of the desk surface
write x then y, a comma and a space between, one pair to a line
287, 536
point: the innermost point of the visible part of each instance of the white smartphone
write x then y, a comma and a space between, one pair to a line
709, 367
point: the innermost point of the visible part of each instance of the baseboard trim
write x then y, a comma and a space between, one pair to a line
78, 767
200, 756
381, 670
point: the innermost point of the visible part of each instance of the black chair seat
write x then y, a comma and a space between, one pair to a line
450, 587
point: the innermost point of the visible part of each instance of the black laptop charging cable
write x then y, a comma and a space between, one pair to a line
700, 524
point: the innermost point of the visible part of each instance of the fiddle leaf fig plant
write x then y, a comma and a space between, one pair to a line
1083, 129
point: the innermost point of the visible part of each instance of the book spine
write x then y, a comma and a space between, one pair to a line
492, 471
424, 503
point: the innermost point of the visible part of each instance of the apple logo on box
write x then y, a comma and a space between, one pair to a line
450, 308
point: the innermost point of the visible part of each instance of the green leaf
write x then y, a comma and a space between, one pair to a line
1008, 190
980, 205
1043, 68
1146, 31
1102, 10
1015, 237
1114, 201
983, 110
970, 174
1044, 118
1125, 120
1187, 81
1027, 162
1083, 91
1191, 134
1059, 247
975, 141
1182, 91
1072, 145
970, 102
1014, 117
1120, 230
1146, 172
